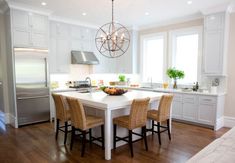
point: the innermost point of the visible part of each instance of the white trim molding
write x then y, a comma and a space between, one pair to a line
7, 118
219, 123
229, 121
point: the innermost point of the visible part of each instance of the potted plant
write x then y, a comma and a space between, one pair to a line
122, 80
175, 74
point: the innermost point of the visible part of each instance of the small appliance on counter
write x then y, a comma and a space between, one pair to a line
82, 86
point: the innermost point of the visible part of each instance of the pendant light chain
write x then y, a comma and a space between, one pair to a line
112, 11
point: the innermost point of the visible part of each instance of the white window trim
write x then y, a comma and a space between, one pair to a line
186, 31
160, 34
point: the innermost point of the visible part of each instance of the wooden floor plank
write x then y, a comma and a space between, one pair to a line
37, 144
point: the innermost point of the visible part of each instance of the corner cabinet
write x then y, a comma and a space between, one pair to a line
30, 30
202, 109
215, 46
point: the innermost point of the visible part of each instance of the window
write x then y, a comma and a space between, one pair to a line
182, 50
153, 58
185, 50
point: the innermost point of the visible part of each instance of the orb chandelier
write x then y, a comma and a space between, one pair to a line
112, 39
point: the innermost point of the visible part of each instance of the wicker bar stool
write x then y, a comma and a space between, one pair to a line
82, 123
136, 119
62, 115
161, 115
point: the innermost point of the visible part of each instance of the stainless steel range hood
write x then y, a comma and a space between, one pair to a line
83, 57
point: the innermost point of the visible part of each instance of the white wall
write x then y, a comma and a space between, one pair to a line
230, 97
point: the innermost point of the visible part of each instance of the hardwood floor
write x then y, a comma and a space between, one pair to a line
37, 144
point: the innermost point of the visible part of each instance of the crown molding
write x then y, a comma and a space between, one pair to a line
172, 21
21, 6
215, 9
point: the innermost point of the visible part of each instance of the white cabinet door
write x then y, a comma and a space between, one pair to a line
177, 110
20, 19
207, 110
206, 114
39, 23
22, 38
177, 107
39, 40
190, 112
53, 56
63, 55
214, 22
29, 29
213, 52
62, 30
190, 107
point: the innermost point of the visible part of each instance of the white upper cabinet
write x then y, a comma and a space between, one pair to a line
214, 44
60, 50
20, 19
29, 29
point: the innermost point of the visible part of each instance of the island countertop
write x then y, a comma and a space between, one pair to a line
102, 100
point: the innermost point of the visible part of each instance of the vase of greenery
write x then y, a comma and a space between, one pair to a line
175, 74
122, 80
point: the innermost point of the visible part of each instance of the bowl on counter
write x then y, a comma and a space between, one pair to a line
114, 91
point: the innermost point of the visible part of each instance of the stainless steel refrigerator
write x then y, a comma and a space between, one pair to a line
32, 91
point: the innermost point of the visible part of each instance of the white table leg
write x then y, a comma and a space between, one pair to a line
108, 121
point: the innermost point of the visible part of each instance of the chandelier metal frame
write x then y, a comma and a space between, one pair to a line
112, 39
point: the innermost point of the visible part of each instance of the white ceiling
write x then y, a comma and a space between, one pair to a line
127, 12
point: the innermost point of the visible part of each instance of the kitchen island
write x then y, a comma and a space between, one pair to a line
108, 104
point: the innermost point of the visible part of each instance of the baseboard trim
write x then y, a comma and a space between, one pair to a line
229, 121
219, 123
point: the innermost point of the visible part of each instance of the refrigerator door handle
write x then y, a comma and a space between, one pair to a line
34, 97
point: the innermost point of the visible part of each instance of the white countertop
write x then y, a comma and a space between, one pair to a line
103, 101
64, 89
174, 91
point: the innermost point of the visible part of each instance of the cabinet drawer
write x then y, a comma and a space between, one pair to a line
207, 100
190, 99
177, 97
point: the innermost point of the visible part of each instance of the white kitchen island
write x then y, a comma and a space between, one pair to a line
100, 100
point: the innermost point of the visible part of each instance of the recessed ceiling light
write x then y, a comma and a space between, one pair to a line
84, 14
189, 2
147, 13
44, 3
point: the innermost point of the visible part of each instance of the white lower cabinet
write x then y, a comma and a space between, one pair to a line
177, 106
207, 110
202, 109
190, 108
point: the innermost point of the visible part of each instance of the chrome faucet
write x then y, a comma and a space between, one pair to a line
89, 79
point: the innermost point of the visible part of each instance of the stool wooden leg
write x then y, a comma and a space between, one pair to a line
57, 128
114, 135
168, 129
90, 135
159, 133
65, 131
83, 143
130, 142
72, 137
102, 135
152, 127
145, 137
